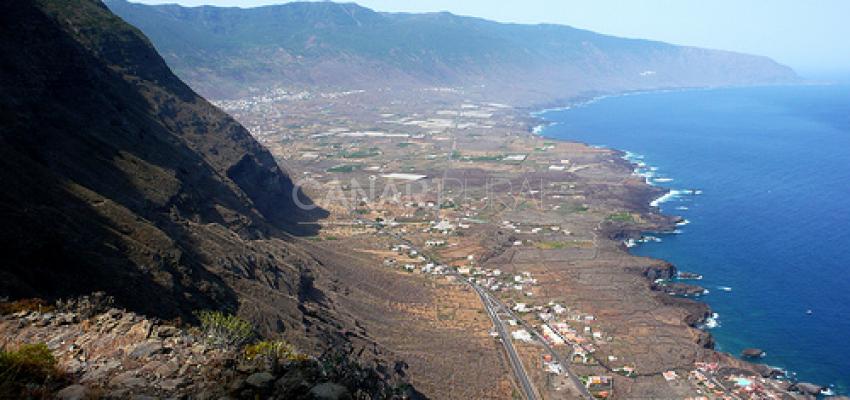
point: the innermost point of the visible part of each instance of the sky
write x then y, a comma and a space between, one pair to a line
811, 36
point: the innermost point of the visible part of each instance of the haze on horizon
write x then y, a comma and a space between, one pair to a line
807, 36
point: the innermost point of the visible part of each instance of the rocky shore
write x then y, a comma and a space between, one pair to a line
666, 281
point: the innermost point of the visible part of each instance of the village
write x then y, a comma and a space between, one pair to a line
464, 193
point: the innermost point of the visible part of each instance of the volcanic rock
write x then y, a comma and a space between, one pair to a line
752, 353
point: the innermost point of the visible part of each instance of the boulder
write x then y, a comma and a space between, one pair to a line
330, 391
807, 388
295, 383
260, 380
147, 349
127, 380
167, 369
167, 331
73, 392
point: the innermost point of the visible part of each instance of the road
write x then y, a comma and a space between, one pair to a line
507, 342
493, 305
555, 355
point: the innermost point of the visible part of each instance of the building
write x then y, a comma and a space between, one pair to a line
552, 337
522, 334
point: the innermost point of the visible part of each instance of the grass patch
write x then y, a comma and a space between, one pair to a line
345, 168
550, 245
365, 153
572, 208
490, 158
28, 372
621, 217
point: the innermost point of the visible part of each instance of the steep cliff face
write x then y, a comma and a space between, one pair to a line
224, 52
118, 177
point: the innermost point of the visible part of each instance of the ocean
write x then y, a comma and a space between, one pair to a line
763, 177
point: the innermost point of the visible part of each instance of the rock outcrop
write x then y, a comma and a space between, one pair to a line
120, 354
752, 353
661, 270
679, 289
807, 388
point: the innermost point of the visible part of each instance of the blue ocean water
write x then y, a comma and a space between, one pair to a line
772, 221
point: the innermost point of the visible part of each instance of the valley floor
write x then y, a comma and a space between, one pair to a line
432, 197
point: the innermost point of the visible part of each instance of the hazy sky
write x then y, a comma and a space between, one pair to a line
813, 36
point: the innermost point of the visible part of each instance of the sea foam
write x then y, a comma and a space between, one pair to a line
712, 322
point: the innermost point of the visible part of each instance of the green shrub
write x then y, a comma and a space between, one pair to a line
28, 370
275, 353
225, 330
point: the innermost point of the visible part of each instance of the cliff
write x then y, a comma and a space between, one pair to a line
117, 177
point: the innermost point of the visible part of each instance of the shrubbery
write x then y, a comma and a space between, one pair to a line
225, 330
275, 353
28, 370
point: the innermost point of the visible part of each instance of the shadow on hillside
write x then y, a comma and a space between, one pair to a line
101, 190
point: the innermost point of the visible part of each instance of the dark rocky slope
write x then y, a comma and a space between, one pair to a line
117, 177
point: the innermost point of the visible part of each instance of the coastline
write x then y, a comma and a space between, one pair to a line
563, 238
651, 179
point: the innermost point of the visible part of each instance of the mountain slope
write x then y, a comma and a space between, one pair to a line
117, 177
223, 51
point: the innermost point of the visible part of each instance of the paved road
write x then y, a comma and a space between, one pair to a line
493, 305
555, 355
513, 357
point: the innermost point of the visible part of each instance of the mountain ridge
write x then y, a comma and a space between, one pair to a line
221, 51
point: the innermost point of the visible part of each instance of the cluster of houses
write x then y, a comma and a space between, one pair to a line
515, 227
552, 366
600, 386
415, 260
742, 386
